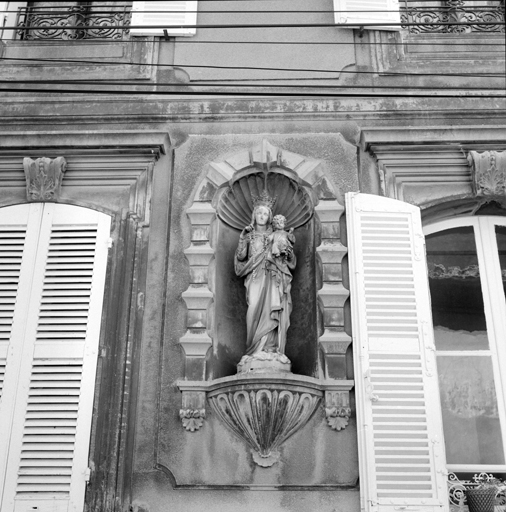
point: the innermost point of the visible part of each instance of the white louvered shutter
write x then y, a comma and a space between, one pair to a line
8, 18
401, 449
357, 12
51, 360
177, 17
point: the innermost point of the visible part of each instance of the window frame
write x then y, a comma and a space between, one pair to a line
494, 305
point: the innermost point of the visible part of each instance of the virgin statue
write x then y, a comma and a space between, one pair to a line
265, 257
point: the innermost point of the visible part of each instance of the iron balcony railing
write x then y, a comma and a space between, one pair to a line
432, 17
88, 21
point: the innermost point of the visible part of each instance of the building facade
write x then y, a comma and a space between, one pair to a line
135, 140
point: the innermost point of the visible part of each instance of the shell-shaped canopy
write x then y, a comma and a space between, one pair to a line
236, 204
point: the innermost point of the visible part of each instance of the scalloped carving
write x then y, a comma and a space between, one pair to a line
236, 206
265, 413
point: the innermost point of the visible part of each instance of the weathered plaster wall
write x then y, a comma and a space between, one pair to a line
151, 495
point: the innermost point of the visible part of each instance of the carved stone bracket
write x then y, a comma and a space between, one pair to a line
265, 409
488, 171
337, 409
43, 178
193, 410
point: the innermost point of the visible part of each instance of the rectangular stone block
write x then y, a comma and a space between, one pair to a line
197, 318
200, 233
333, 317
332, 272
330, 230
199, 275
195, 368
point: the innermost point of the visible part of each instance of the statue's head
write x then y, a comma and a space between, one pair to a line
261, 216
278, 222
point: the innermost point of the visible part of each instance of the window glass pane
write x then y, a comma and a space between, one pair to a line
455, 289
469, 405
500, 232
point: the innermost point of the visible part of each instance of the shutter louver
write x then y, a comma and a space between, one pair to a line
357, 12
178, 18
50, 427
12, 241
48, 454
401, 444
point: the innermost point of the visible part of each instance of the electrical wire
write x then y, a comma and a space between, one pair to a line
256, 68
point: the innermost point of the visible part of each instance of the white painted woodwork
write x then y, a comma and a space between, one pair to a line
401, 452
494, 303
52, 351
357, 12
8, 17
178, 17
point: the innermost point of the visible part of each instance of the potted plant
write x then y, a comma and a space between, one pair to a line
481, 493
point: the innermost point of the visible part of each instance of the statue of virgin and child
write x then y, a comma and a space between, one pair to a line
265, 258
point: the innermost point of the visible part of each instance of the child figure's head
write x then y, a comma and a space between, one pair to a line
278, 222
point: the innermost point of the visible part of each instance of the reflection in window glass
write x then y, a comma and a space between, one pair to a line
456, 291
469, 406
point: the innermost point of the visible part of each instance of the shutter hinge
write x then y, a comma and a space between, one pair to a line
109, 242
87, 474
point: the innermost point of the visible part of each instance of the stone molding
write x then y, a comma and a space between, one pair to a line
430, 165
44, 178
199, 296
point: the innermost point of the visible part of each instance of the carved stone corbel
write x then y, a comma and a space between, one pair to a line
337, 408
43, 178
488, 171
193, 406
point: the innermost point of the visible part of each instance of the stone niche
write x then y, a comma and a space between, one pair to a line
297, 204
261, 413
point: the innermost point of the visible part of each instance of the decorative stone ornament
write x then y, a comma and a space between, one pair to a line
264, 404
265, 409
193, 410
43, 178
488, 172
265, 414
337, 409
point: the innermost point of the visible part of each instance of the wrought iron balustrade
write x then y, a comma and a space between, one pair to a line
439, 17
457, 492
74, 22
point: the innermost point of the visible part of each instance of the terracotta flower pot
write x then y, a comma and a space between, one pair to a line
481, 500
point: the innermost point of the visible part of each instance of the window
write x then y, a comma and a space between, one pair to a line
357, 12
99, 19
467, 273
52, 272
179, 17
424, 16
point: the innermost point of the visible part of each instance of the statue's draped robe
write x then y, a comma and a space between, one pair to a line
268, 283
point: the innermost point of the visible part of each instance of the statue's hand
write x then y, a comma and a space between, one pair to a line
289, 252
247, 229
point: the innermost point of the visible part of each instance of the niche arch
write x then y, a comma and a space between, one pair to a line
205, 255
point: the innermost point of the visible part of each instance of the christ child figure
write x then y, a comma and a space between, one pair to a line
282, 241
